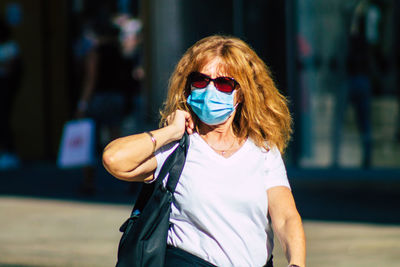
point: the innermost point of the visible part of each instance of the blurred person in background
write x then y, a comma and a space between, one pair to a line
10, 80
107, 89
84, 43
131, 44
363, 66
233, 192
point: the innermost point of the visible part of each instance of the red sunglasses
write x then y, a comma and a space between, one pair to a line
223, 84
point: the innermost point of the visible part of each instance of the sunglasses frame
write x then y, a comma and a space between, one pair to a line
208, 79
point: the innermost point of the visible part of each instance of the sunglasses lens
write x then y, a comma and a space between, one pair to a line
224, 84
199, 81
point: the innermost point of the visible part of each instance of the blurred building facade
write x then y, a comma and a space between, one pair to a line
337, 40
305, 43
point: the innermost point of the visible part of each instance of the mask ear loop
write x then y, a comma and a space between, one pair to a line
235, 106
238, 102
238, 99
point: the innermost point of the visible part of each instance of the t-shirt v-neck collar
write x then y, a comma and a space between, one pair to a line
215, 155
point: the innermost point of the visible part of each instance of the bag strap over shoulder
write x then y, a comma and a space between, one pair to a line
172, 165
178, 163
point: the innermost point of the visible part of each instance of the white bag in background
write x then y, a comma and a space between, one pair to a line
77, 145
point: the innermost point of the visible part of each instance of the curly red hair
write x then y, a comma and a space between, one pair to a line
263, 114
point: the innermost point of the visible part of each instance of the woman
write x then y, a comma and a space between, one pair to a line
233, 188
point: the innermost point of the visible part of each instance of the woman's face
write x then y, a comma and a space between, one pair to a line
213, 101
214, 70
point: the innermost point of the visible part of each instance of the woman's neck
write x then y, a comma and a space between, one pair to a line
217, 133
221, 138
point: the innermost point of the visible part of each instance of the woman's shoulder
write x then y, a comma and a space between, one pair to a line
193, 138
267, 147
269, 152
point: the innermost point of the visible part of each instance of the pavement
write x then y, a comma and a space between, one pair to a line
351, 216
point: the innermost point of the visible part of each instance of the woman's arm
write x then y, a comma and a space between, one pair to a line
131, 158
287, 224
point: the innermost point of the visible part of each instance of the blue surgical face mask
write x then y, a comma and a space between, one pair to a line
210, 105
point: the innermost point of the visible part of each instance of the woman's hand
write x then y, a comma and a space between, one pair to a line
132, 157
180, 120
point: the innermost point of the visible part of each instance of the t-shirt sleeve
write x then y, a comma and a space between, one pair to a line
275, 170
161, 155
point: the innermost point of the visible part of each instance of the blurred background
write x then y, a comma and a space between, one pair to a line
337, 61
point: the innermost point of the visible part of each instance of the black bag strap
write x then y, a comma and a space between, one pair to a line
178, 163
172, 165
144, 196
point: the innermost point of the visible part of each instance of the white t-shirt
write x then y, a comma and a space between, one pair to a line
220, 206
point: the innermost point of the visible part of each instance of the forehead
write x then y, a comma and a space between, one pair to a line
215, 68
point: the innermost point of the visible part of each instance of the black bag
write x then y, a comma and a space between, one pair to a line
144, 238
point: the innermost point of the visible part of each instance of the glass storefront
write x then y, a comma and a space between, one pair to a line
348, 81
345, 93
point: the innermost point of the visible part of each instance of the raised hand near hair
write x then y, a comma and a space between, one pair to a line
131, 158
181, 121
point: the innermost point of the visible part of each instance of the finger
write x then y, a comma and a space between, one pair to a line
189, 130
190, 121
187, 114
